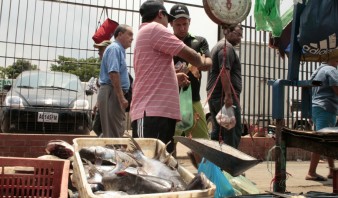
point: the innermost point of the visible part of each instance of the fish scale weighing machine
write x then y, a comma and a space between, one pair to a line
230, 12
226, 13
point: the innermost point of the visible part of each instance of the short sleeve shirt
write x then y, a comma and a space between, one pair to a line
323, 96
155, 88
114, 60
200, 45
232, 63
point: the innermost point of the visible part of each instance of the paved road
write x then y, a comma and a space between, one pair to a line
263, 173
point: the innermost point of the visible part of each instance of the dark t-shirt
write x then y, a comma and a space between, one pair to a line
232, 63
200, 45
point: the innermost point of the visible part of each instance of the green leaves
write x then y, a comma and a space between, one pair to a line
84, 68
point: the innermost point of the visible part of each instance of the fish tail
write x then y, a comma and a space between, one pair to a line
135, 146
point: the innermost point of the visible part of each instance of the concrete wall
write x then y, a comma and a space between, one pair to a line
33, 145
263, 148
30, 145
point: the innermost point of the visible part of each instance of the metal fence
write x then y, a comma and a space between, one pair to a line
47, 33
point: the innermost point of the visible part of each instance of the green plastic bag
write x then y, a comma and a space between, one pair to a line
187, 111
267, 16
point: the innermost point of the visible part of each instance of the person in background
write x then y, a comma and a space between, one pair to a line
181, 30
97, 121
324, 110
114, 83
155, 107
222, 95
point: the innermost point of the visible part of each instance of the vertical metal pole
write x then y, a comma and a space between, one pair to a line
295, 48
293, 75
280, 151
280, 162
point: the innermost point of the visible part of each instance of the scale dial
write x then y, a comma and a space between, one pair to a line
227, 11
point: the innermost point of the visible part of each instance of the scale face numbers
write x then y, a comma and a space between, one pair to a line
227, 11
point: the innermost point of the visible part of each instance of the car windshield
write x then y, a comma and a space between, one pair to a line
34, 80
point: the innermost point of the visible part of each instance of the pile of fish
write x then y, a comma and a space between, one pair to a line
126, 170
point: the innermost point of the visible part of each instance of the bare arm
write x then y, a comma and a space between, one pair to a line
207, 65
191, 56
335, 90
225, 79
115, 81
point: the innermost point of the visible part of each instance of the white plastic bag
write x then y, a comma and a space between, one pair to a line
226, 117
181, 67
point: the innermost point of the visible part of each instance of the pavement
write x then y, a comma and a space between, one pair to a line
262, 174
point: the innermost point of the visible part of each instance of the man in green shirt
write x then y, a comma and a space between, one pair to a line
181, 30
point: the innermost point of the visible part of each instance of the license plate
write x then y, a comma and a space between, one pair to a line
48, 117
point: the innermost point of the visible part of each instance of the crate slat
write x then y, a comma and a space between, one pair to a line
48, 178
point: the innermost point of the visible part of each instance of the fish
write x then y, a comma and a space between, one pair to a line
103, 155
94, 175
156, 168
166, 159
136, 183
59, 148
49, 157
199, 182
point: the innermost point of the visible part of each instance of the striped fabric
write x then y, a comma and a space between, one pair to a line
155, 88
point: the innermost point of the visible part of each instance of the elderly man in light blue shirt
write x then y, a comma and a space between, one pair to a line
114, 83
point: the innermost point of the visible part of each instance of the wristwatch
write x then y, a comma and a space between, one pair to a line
227, 11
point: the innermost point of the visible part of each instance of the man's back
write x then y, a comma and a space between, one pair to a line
155, 86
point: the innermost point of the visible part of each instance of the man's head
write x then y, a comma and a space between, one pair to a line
332, 62
182, 20
124, 34
235, 34
101, 47
154, 10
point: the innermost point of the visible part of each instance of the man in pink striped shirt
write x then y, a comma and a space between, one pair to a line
155, 107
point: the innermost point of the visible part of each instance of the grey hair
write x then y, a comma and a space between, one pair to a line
121, 28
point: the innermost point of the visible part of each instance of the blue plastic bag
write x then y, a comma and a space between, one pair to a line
216, 176
318, 27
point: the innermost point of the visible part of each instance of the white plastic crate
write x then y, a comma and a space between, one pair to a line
148, 146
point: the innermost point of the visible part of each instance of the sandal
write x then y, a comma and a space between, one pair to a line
316, 178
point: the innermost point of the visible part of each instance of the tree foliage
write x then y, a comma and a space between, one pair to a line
84, 68
2, 72
12, 71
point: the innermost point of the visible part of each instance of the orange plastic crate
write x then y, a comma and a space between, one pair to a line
33, 177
